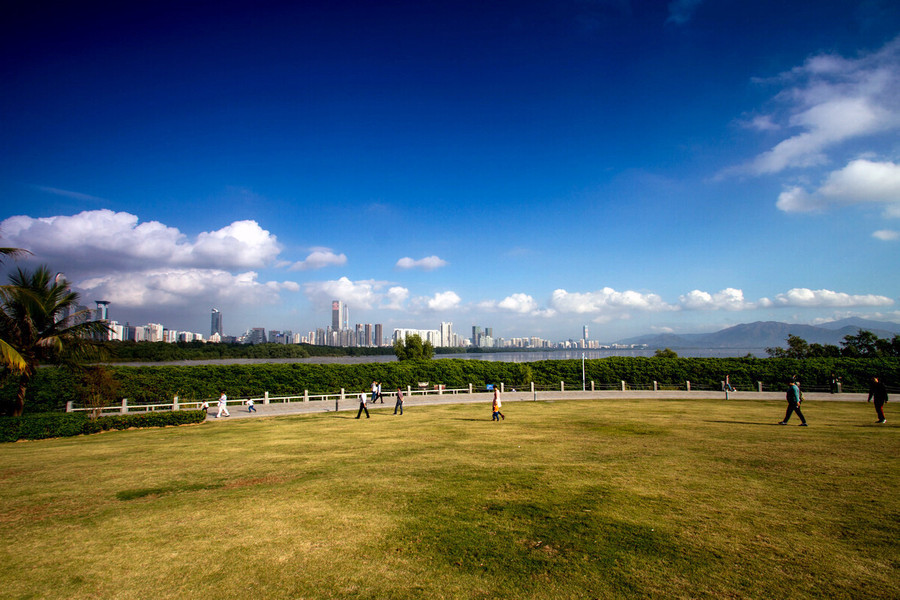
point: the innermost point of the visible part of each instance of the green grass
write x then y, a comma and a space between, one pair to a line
588, 499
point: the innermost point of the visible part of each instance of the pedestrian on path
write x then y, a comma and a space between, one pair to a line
399, 401
378, 391
497, 415
727, 385
362, 406
223, 406
878, 392
250, 407
794, 398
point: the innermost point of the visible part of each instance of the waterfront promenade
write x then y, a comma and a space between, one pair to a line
351, 403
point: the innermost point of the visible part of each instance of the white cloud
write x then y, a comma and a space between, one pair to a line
429, 263
443, 301
829, 100
861, 181
358, 294
804, 297
395, 297
886, 235
183, 287
518, 303
606, 299
320, 258
98, 241
727, 299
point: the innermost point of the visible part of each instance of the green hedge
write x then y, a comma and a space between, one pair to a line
53, 387
52, 425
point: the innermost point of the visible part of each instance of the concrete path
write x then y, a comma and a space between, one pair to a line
410, 403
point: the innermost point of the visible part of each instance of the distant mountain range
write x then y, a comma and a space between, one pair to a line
766, 334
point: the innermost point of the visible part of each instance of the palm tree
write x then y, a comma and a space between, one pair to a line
8, 355
35, 323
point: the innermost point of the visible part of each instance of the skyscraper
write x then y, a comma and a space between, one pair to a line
336, 309
216, 325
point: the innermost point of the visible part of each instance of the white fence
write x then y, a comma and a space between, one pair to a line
423, 389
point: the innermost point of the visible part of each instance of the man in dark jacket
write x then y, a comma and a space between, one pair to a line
793, 399
879, 393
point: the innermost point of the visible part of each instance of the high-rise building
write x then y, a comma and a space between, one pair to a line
584, 334
446, 334
216, 324
368, 334
102, 313
336, 309
379, 334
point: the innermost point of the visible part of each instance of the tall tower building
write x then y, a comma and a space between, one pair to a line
379, 334
584, 334
446, 334
336, 309
216, 323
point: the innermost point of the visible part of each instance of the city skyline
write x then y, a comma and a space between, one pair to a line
542, 168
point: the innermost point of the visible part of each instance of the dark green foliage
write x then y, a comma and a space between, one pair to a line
52, 387
52, 425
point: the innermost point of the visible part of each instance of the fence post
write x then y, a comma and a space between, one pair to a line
623, 385
124, 406
470, 388
266, 398
759, 386
440, 389
175, 403
502, 387
409, 390
306, 395
562, 386
839, 384
338, 399
69, 406
592, 385
688, 385
532, 387
655, 386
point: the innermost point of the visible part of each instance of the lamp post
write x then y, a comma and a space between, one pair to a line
582, 372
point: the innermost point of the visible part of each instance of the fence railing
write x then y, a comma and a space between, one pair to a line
421, 390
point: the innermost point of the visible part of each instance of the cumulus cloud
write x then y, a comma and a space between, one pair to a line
184, 287
518, 303
133, 264
860, 182
443, 301
429, 263
829, 100
804, 297
886, 235
606, 299
97, 241
359, 294
320, 258
395, 297
727, 299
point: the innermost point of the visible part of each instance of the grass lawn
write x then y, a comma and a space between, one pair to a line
576, 499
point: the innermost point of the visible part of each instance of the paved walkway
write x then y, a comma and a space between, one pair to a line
350, 403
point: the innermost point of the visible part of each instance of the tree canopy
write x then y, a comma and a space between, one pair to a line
413, 348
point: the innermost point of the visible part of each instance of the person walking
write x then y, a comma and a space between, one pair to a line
399, 401
497, 415
727, 385
362, 406
223, 406
878, 392
378, 392
250, 407
794, 398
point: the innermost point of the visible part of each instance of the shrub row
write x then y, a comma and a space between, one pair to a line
51, 425
53, 387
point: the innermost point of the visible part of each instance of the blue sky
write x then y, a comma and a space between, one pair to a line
529, 166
